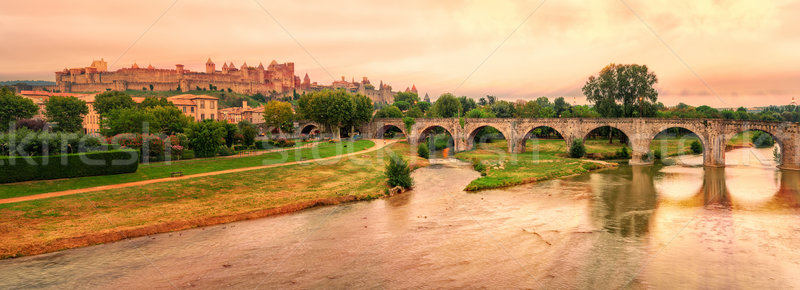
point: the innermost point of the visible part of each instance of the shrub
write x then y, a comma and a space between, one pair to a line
19, 168
240, 147
762, 140
281, 142
423, 151
225, 151
206, 137
26, 142
478, 166
696, 147
577, 150
398, 172
657, 154
623, 153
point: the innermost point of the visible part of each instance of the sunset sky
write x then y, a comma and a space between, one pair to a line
725, 53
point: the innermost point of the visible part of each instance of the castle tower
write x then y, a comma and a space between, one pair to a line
179, 69
306, 81
209, 66
414, 88
224, 67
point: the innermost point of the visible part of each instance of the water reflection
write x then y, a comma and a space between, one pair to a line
626, 208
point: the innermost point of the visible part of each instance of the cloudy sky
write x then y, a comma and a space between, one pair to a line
725, 53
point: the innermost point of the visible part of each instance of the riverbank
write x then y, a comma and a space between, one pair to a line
541, 161
187, 167
52, 224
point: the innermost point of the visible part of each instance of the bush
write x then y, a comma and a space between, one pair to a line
25, 142
19, 168
398, 172
225, 151
696, 147
281, 142
240, 147
657, 154
423, 151
577, 150
478, 166
762, 140
623, 153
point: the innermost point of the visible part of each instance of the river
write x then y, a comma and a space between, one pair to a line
676, 226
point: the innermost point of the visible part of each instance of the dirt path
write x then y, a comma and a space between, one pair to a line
379, 144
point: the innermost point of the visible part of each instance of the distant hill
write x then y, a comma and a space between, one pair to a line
28, 82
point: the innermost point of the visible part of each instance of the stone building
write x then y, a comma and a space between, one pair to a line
381, 94
234, 115
91, 121
245, 79
199, 107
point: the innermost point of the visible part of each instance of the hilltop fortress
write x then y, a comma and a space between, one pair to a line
274, 79
245, 79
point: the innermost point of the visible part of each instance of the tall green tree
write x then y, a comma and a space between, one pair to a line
333, 109
623, 90
467, 104
129, 120
107, 101
362, 111
206, 137
560, 105
447, 106
503, 109
66, 112
168, 119
409, 97
248, 131
14, 107
279, 114
529, 109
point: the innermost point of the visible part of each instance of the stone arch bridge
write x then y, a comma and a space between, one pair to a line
713, 133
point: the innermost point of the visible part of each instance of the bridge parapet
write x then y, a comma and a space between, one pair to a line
714, 134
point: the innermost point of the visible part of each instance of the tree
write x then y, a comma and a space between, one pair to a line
389, 112
414, 112
503, 109
409, 97
402, 105
467, 104
398, 172
150, 102
529, 109
479, 113
362, 111
629, 84
14, 107
424, 106
129, 120
66, 112
168, 119
577, 149
278, 114
333, 109
248, 133
107, 101
560, 105
447, 106
231, 130
206, 137
546, 112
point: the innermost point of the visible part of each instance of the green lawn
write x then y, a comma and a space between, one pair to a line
673, 146
542, 160
161, 170
51, 224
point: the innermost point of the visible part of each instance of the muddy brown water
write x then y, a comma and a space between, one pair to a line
677, 226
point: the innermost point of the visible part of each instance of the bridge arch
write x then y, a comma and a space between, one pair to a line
541, 132
749, 133
686, 135
310, 128
476, 130
380, 134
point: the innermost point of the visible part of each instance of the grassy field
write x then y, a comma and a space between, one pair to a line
673, 146
83, 219
542, 160
194, 166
